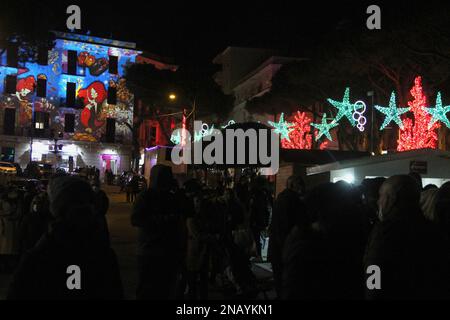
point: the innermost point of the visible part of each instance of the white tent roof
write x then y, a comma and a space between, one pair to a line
406, 155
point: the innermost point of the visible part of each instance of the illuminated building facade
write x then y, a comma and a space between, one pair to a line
70, 106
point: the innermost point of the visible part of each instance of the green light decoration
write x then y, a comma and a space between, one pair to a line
198, 135
325, 127
282, 127
439, 113
175, 138
231, 122
345, 108
392, 113
206, 131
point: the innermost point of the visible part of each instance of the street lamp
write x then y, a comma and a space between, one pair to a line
172, 96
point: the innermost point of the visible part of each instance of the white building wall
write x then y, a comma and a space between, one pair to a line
438, 170
83, 153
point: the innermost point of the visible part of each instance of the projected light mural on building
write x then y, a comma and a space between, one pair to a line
92, 81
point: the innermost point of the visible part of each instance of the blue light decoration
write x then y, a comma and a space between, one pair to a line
92, 81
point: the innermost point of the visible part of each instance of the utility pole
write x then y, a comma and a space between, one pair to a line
371, 94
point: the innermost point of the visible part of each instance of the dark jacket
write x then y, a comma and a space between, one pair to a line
102, 206
322, 266
413, 258
42, 272
35, 222
157, 212
260, 210
288, 211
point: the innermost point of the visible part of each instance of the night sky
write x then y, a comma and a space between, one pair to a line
192, 34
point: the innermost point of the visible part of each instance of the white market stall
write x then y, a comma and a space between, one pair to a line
432, 164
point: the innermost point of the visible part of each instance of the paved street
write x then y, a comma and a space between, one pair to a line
123, 238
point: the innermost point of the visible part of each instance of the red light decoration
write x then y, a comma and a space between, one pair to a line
300, 136
415, 133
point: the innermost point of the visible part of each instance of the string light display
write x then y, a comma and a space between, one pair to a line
198, 135
324, 127
418, 134
439, 113
345, 108
300, 137
358, 115
231, 122
282, 127
392, 113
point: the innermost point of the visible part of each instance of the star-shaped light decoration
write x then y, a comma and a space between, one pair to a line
324, 127
439, 113
282, 127
345, 108
392, 113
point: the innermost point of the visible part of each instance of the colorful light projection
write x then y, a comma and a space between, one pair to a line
92, 82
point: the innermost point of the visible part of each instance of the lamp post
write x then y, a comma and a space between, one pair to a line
371, 94
173, 97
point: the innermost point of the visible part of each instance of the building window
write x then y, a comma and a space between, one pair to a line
12, 56
112, 95
41, 120
10, 84
43, 56
113, 64
41, 89
110, 130
9, 121
71, 62
69, 122
70, 94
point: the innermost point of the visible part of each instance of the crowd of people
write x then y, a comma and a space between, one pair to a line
326, 247
192, 237
132, 184
44, 229
322, 240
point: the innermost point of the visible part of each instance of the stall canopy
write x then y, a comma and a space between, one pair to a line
432, 164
